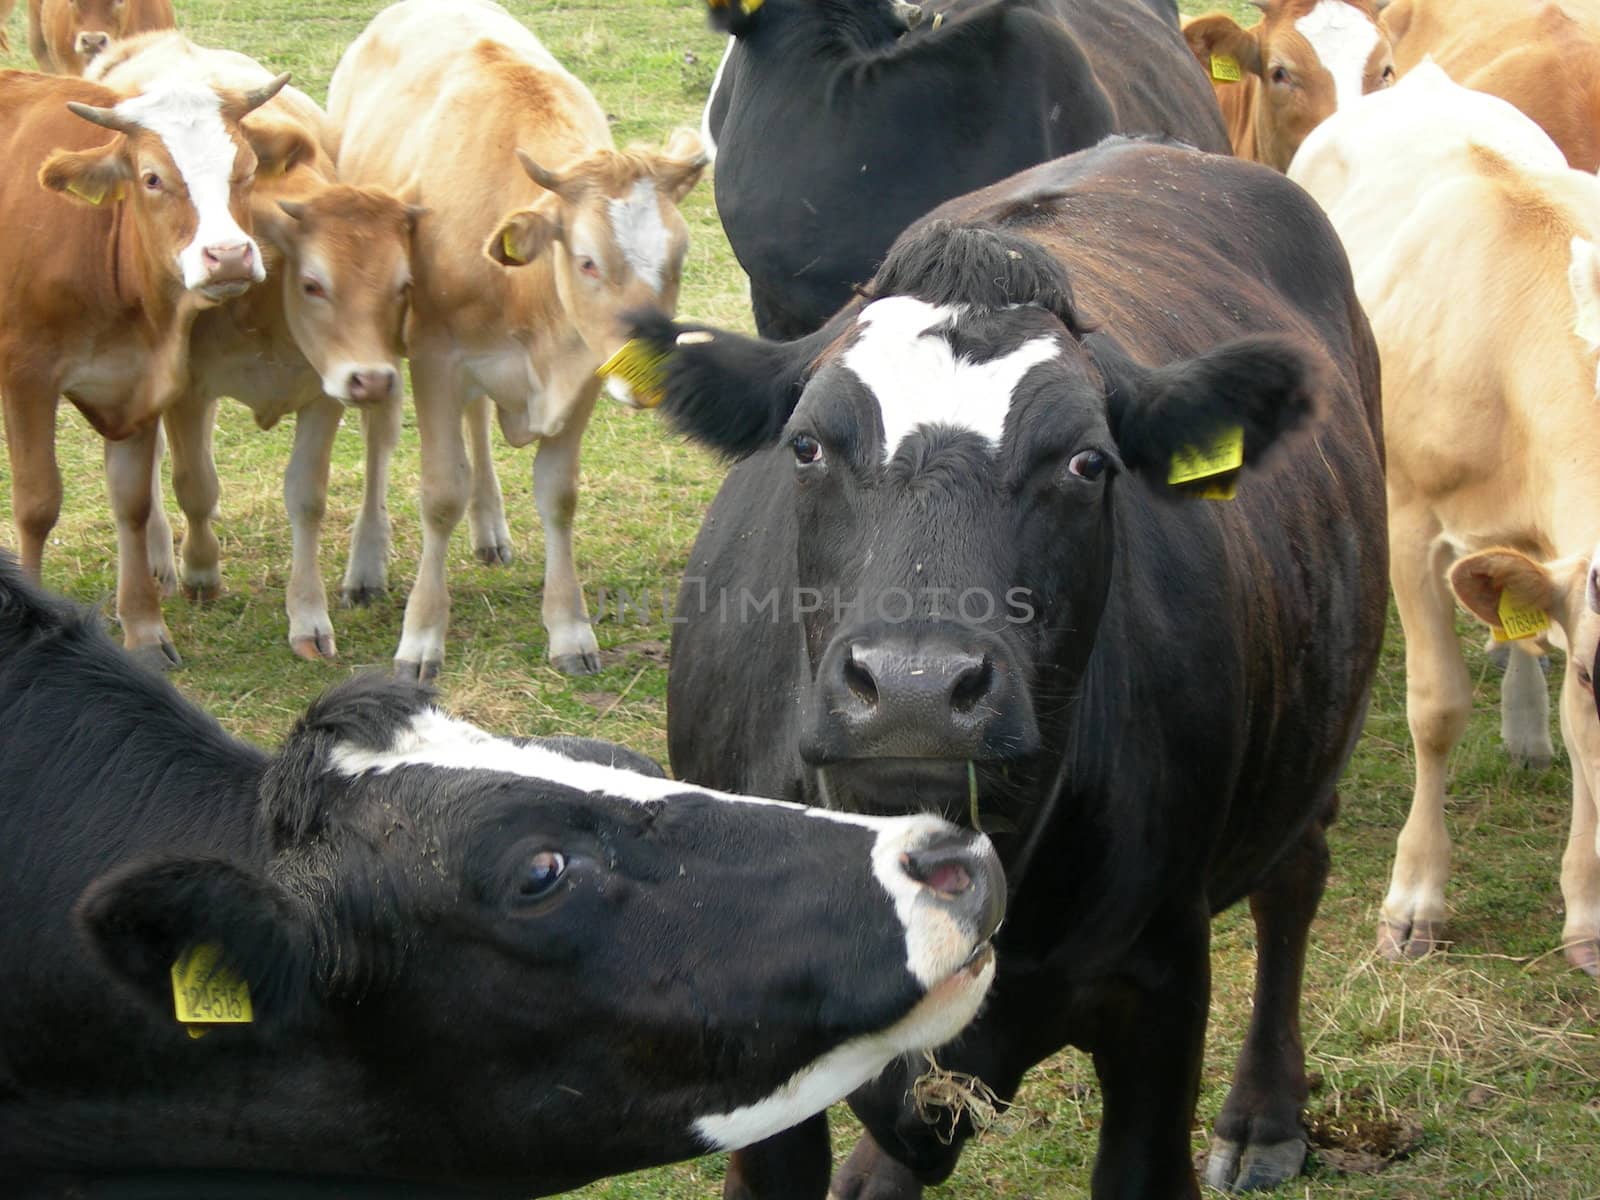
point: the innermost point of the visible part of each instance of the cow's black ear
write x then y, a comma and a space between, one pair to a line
140, 918
1264, 385
731, 16
731, 393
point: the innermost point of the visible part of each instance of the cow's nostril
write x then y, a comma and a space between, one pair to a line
943, 869
859, 679
972, 685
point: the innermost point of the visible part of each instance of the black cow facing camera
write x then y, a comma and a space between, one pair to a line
1071, 525
404, 957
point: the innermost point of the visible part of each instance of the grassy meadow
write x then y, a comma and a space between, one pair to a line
1475, 1072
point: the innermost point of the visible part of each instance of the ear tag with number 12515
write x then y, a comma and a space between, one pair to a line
205, 992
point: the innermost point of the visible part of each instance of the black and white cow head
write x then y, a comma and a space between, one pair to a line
588, 968
959, 440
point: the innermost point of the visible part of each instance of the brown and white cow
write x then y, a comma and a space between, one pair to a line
435, 96
1279, 79
1474, 250
1542, 57
325, 332
65, 35
103, 271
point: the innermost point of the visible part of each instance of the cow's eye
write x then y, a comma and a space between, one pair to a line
807, 450
1388, 75
1583, 677
544, 872
152, 181
589, 267
1280, 75
313, 288
1088, 464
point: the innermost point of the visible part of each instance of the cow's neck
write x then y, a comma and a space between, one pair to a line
830, 32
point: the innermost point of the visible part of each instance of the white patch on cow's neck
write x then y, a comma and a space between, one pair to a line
706, 139
917, 380
940, 1016
640, 232
187, 117
1343, 38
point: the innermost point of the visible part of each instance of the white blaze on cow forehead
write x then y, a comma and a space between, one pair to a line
1344, 38
187, 117
937, 1018
916, 378
640, 232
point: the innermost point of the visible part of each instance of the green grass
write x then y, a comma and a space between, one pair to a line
1490, 1051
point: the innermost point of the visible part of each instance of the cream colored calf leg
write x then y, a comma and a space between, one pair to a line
129, 466
446, 478
163, 563
366, 575
573, 648
305, 496
1525, 712
194, 481
486, 514
1438, 703
1580, 864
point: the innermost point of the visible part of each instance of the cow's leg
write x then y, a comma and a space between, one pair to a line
194, 481
1525, 712
1259, 1141
792, 1165
1438, 703
305, 495
129, 467
573, 648
35, 476
1580, 863
446, 477
366, 576
486, 514
163, 563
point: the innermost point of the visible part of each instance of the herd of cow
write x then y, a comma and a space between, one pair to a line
1079, 451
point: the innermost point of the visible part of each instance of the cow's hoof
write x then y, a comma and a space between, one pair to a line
1398, 942
163, 656
1231, 1167
420, 672
313, 647
1584, 955
1535, 760
202, 592
494, 556
870, 1174
362, 595
586, 662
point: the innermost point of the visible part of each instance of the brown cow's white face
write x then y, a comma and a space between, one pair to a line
612, 226
186, 168
1311, 59
347, 286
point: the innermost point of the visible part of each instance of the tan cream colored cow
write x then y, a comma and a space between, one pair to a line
1277, 80
65, 35
1541, 56
141, 223
326, 331
438, 96
1473, 247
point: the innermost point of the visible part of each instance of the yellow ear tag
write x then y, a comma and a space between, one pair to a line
639, 366
204, 992
1225, 68
1220, 456
508, 250
1517, 622
85, 191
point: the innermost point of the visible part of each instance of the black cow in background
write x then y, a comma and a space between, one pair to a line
976, 592
477, 967
835, 128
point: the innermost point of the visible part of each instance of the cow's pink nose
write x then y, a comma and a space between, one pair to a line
90, 44
371, 385
229, 264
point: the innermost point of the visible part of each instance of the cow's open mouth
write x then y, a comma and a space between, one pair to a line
891, 786
217, 293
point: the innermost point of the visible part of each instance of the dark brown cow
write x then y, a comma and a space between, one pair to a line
150, 227
1279, 79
